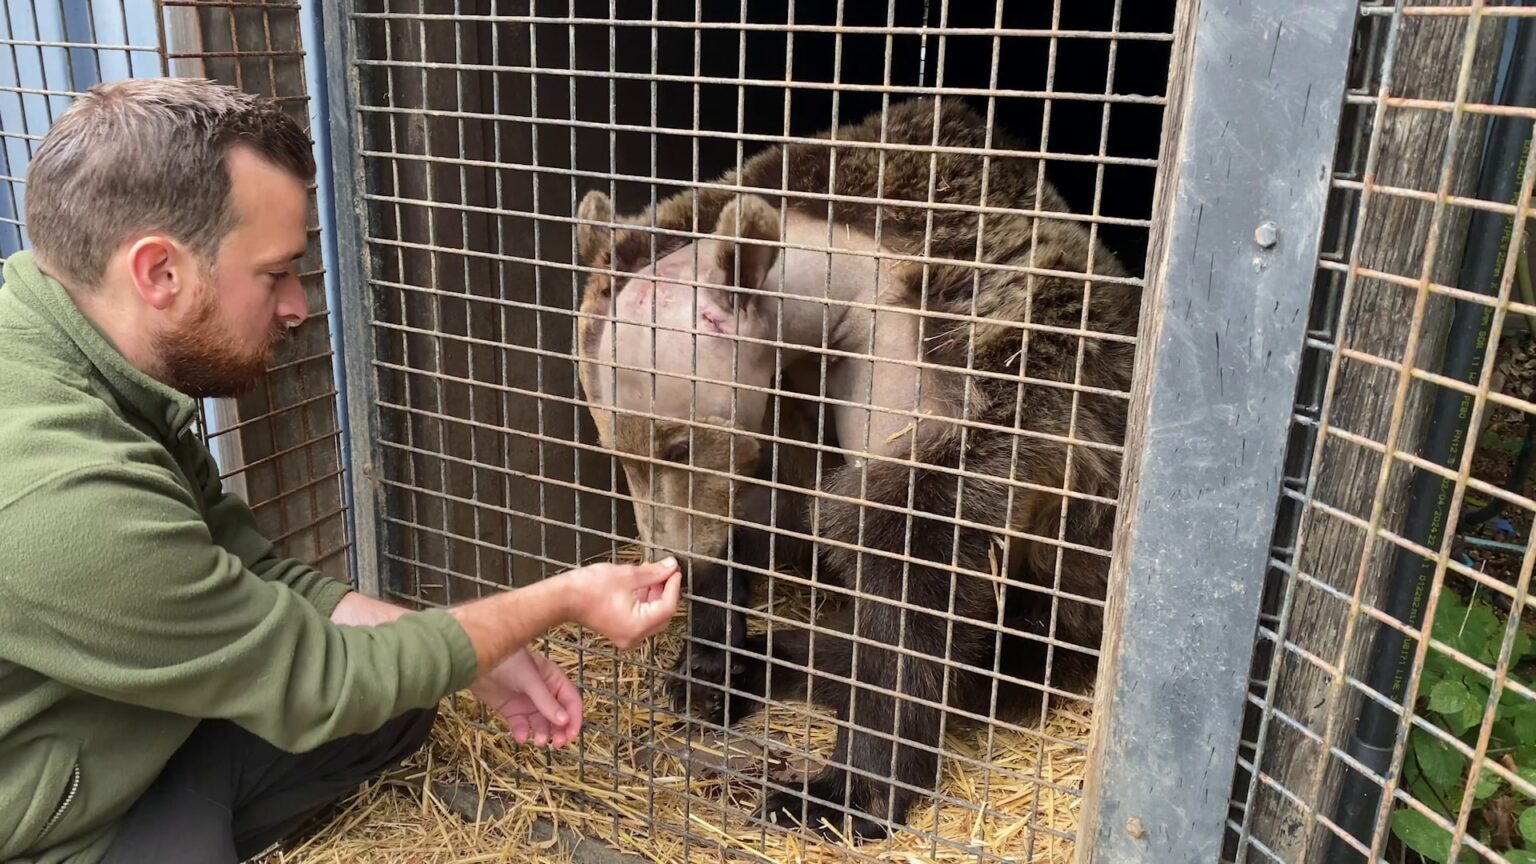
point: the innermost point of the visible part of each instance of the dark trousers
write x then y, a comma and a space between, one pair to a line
227, 795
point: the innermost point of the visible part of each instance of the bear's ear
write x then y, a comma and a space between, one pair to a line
749, 229
594, 243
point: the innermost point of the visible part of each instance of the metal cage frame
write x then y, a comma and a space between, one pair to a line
1205, 470
1283, 127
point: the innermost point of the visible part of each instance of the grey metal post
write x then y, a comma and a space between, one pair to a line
356, 299
1252, 119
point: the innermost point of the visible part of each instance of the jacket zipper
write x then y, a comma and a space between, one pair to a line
69, 798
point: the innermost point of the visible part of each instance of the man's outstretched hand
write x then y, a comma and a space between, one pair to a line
625, 602
538, 702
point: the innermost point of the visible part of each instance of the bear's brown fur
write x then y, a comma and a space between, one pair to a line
1045, 374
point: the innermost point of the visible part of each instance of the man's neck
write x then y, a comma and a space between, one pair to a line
118, 324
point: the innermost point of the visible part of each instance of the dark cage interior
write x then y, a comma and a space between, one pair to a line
507, 155
483, 126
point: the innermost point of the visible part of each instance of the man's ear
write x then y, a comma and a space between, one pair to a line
748, 228
158, 270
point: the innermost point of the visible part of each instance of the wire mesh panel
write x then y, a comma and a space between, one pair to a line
279, 446
1391, 715
835, 301
282, 442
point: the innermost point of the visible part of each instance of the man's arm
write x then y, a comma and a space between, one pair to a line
625, 603
498, 626
502, 624
359, 610
111, 583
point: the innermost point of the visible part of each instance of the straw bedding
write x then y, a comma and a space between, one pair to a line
645, 783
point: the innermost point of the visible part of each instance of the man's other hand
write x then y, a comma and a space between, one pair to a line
538, 702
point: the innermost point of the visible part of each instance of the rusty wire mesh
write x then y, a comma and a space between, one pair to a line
277, 447
284, 439
1407, 506
480, 129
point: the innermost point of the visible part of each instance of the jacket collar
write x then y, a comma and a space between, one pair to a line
169, 411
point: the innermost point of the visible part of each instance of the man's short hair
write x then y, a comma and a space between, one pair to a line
142, 155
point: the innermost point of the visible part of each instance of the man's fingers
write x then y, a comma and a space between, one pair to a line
565, 694
674, 590
545, 702
571, 699
659, 589
657, 571
536, 688
573, 728
648, 593
656, 614
651, 595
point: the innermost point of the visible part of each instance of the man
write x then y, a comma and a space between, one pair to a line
170, 688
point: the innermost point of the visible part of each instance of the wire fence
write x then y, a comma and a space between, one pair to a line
917, 328
278, 447
517, 163
1406, 511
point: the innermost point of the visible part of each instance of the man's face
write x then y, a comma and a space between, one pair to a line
222, 341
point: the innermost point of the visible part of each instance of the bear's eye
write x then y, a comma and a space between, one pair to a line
676, 453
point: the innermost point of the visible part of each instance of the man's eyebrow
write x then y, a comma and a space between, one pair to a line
289, 258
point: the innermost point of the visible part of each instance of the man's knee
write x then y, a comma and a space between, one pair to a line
396, 740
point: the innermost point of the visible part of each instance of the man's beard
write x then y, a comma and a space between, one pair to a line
199, 360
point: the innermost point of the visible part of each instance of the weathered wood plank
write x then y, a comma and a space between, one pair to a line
1253, 115
1394, 237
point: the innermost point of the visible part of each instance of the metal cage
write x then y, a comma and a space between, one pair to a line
279, 447
478, 130
1364, 740
1229, 470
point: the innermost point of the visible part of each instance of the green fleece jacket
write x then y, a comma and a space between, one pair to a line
136, 596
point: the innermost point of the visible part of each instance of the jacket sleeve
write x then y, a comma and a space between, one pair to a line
233, 526
110, 582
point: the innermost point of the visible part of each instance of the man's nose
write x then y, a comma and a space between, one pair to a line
292, 307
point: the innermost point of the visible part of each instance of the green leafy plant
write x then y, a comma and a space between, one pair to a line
1454, 697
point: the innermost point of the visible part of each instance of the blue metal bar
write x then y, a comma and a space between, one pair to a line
354, 310
316, 72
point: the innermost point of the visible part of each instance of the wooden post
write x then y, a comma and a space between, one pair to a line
1252, 119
